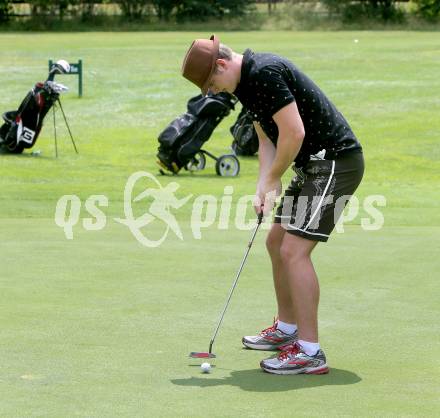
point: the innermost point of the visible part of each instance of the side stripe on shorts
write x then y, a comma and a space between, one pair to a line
317, 210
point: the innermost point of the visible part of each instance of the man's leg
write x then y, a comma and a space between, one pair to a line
282, 289
305, 355
283, 332
295, 254
323, 178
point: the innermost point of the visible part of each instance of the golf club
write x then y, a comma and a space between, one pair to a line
60, 67
210, 354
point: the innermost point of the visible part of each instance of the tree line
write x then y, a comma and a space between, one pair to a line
129, 9
385, 10
183, 10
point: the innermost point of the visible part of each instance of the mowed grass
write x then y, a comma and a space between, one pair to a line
101, 326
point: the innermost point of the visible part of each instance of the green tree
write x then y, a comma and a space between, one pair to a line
198, 9
271, 5
428, 9
349, 10
164, 8
49, 7
39, 7
87, 8
237, 7
5, 10
133, 9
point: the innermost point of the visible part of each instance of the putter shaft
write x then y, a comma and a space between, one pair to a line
259, 221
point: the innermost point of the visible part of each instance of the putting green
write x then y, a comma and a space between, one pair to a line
101, 325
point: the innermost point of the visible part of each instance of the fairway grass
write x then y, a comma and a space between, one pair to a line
101, 326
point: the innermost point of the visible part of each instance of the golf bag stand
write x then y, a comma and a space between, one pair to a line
22, 127
58, 102
180, 143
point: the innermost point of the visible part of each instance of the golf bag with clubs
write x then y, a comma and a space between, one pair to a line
22, 127
180, 144
245, 140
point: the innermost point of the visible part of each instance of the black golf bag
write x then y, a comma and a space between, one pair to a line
245, 140
185, 136
22, 127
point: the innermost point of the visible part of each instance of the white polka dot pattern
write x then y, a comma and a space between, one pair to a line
269, 83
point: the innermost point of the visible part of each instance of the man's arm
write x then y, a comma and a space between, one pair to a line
290, 137
266, 152
266, 155
275, 161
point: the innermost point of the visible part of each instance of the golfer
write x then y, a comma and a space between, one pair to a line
296, 124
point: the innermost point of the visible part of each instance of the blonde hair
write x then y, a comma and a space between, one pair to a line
224, 52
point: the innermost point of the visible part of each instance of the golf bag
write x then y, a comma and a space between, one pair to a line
185, 136
245, 140
22, 127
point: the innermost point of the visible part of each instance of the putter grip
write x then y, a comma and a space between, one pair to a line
260, 217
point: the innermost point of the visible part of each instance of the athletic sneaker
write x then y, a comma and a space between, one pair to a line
270, 339
293, 360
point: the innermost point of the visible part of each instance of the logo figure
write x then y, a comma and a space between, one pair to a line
163, 199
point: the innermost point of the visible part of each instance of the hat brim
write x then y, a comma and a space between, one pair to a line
216, 46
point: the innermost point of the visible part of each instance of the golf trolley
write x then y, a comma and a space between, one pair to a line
226, 165
180, 144
22, 127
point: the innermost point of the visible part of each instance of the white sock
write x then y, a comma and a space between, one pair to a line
286, 328
309, 348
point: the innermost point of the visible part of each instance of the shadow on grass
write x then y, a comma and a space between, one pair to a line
5, 153
258, 381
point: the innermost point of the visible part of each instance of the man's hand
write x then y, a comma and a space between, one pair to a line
268, 189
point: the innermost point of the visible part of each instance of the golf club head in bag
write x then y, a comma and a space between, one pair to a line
60, 67
22, 127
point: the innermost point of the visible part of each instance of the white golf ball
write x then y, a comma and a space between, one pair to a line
206, 367
356, 41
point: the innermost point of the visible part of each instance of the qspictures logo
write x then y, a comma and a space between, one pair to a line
158, 206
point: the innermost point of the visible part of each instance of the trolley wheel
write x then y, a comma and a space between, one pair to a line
227, 166
197, 163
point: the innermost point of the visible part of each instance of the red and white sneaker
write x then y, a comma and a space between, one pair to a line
293, 360
270, 339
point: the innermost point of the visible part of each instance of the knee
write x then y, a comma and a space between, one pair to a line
286, 253
273, 243
292, 253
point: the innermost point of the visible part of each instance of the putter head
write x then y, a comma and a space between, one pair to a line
197, 354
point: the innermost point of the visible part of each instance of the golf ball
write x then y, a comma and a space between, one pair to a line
206, 367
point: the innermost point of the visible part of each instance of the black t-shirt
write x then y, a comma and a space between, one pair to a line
269, 82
